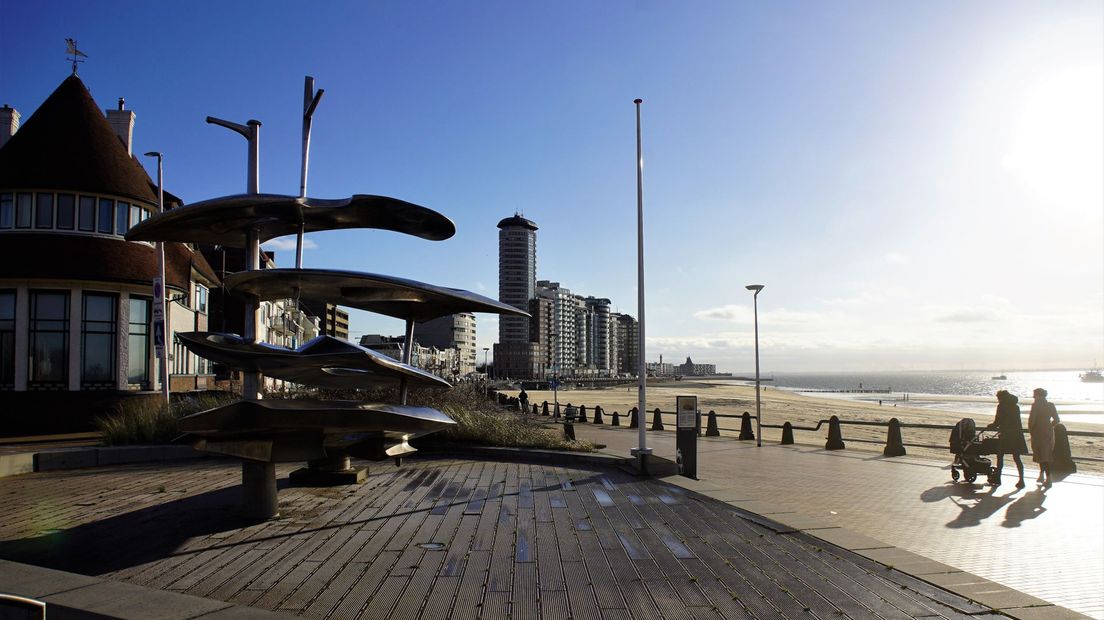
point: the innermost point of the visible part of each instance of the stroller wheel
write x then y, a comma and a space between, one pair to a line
954, 474
971, 477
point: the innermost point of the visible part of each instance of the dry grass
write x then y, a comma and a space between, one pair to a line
148, 421
478, 420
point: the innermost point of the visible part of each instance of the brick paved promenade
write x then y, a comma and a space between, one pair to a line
519, 541
1047, 542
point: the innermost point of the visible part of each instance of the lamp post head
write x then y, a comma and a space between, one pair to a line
755, 287
156, 154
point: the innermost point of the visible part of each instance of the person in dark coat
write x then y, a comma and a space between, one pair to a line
1041, 423
1011, 434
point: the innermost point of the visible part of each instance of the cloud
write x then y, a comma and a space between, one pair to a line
968, 316
287, 244
742, 314
479, 286
895, 258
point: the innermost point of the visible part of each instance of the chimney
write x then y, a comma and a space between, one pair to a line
9, 123
122, 121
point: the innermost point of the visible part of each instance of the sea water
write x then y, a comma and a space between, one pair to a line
972, 392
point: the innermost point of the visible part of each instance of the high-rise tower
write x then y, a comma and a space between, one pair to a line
517, 274
515, 354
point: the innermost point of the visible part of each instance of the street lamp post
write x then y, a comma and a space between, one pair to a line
642, 451
755, 304
486, 368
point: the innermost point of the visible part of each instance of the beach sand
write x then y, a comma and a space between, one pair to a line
780, 406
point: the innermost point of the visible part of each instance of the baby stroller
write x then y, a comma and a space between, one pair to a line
969, 447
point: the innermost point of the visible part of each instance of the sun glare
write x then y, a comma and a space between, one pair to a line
1058, 145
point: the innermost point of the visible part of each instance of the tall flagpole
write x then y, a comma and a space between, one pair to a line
642, 451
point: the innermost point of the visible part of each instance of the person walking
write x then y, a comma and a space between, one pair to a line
1041, 423
1011, 434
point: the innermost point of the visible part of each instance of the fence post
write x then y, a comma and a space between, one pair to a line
634, 418
1061, 462
745, 427
557, 413
582, 414
895, 445
711, 429
787, 434
835, 435
657, 420
616, 419
598, 415
534, 408
544, 408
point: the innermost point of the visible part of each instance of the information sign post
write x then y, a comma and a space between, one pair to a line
686, 435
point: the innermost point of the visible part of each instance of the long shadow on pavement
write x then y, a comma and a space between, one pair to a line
131, 538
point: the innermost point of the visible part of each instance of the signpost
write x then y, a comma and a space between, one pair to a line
158, 319
686, 435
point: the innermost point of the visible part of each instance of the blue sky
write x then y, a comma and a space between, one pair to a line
918, 185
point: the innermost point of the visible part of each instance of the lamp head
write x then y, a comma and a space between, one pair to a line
754, 287
153, 154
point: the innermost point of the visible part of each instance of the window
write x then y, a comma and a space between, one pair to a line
7, 340
98, 324
135, 214
201, 298
107, 208
23, 203
65, 206
138, 341
121, 209
44, 211
7, 210
87, 215
49, 339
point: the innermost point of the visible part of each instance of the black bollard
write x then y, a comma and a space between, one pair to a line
616, 419
634, 418
582, 414
598, 415
745, 427
711, 429
787, 434
569, 431
535, 409
544, 408
895, 445
835, 435
1061, 462
657, 420
557, 413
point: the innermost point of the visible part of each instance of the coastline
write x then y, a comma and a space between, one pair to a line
781, 405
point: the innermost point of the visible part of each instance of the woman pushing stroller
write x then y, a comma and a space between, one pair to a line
1010, 427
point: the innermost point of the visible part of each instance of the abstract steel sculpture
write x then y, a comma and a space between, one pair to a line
325, 433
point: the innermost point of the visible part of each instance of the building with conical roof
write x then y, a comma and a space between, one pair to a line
75, 296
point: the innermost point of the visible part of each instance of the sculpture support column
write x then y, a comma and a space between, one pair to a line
259, 489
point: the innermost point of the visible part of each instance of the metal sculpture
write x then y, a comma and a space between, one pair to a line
324, 433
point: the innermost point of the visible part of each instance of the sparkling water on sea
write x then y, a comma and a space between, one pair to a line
966, 391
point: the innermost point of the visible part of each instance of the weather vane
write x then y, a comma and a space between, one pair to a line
71, 50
